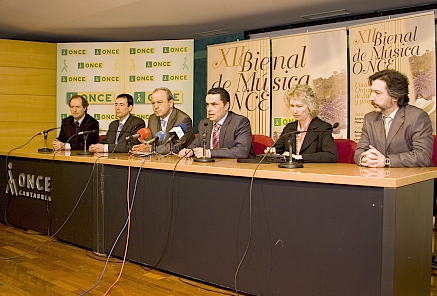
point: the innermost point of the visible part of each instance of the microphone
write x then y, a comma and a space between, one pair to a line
204, 159
205, 124
177, 131
292, 163
334, 126
48, 130
141, 134
159, 137
87, 132
45, 133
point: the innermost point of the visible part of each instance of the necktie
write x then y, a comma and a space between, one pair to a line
120, 126
77, 126
387, 123
163, 125
216, 136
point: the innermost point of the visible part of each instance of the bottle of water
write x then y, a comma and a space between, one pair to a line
275, 136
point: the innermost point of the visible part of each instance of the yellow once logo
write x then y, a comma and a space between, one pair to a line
141, 50
178, 97
177, 77
176, 49
99, 98
108, 116
106, 78
76, 78
158, 64
77, 52
145, 78
108, 51
93, 65
110, 78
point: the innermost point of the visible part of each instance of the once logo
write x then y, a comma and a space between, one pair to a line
29, 185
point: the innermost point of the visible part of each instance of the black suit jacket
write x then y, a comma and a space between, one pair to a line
316, 147
177, 116
68, 129
235, 137
131, 126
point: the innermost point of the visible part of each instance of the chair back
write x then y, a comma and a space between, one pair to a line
434, 151
260, 143
346, 150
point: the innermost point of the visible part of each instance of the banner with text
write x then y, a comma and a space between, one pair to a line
406, 44
243, 69
101, 71
93, 70
167, 63
318, 59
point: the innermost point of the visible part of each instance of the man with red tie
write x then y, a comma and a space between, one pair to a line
227, 134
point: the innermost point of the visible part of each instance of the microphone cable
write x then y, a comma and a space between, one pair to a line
129, 211
250, 200
53, 173
63, 224
250, 218
123, 139
126, 224
7, 173
171, 209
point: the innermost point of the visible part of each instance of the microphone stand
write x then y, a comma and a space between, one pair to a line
172, 148
85, 152
153, 147
130, 144
204, 159
45, 149
291, 164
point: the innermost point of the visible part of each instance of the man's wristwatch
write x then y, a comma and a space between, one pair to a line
387, 162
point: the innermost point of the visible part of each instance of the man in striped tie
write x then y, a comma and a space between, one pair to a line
227, 134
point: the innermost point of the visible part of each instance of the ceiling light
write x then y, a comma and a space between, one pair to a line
211, 33
327, 14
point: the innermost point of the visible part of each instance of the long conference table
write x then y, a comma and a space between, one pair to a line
324, 229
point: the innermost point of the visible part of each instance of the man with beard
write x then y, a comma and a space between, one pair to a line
395, 134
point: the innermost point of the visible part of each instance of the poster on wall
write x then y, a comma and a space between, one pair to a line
93, 70
405, 44
101, 71
153, 64
243, 69
318, 59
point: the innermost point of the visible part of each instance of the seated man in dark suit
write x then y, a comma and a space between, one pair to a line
165, 116
78, 121
125, 126
227, 134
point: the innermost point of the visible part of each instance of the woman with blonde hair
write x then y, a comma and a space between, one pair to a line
316, 146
